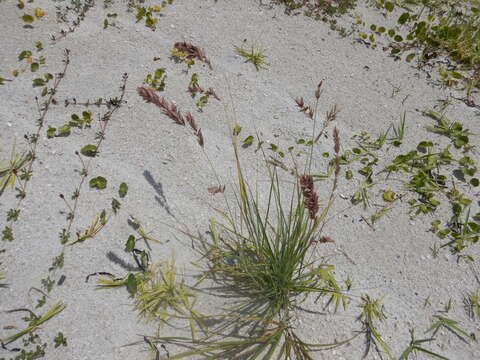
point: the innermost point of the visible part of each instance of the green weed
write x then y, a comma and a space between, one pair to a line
372, 312
255, 55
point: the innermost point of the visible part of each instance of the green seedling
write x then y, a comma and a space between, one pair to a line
76, 121
35, 322
254, 55
451, 325
108, 20
362, 195
157, 80
372, 312
332, 288
472, 304
97, 225
137, 226
416, 346
398, 132
14, 170
160, 296
149, 14
60, 340
452, 130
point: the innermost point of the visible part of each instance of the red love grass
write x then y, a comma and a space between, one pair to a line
171, 110
192, 51
307, 110
323, 240
195, 88
309, 195
216, 189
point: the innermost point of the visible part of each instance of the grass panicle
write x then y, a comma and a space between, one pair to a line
192, 52
172, 111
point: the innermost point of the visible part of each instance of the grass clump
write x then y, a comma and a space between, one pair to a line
161, 296
262, 253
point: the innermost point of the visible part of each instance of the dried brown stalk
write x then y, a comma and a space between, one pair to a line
171, 111
336, 140
193, 51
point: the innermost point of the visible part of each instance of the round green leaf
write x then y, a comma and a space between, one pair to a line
389, 6
122, 191
410, 57
98, 182
130, 245
89, 150
28, 18
404, 18
132, 284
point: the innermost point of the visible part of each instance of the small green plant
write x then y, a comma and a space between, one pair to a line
451, 325
372, 312
452, 130
187, 52
472, 304
398, 132
108, 20
318, 9
34, 322
428, 30
150, 14
255, 55
160, 296
416, 346
157, 80
194, 88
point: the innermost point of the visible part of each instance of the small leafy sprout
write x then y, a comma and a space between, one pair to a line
60, 340
89, 150
416, 345
187, 52
157, 80
472, 304
29, 19
123, 189
137, 226
75, 122
255, 55
399, 132
34, 322
98, 182
372, 311
451, 325
159, 295
194, 88
13, 170
148, 13
107, 23
97, 225
452, 130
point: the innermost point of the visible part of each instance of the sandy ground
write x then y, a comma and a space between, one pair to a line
168, 175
